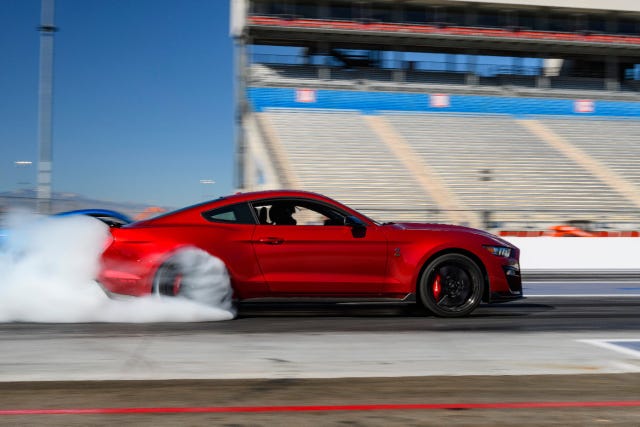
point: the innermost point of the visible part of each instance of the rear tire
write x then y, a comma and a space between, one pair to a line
196, 275
451, 286
168, 279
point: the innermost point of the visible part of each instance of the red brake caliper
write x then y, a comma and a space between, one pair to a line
177, 282
436, 287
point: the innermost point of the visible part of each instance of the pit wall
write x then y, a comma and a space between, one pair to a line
577, 253
376, 102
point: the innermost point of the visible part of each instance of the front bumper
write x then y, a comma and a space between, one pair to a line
513, 280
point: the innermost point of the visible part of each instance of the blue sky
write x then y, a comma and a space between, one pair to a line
143, 98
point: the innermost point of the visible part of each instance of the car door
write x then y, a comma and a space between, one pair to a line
321, 257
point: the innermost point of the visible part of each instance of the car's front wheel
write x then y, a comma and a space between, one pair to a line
451, 286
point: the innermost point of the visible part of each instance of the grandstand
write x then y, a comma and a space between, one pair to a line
512, 114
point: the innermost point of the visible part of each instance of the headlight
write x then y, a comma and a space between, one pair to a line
502, 251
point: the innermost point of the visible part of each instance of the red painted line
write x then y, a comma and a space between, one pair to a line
320, 408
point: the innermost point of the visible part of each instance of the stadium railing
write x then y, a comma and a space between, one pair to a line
510, 33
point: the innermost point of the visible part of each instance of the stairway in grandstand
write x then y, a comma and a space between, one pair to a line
614, 143
336, 153
493, 163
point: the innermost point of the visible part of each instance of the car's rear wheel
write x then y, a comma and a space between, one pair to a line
168, 279
451, 286
194, 274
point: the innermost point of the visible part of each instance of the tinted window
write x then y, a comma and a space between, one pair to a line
488, 18
239, 214
597, 23
559, 22
628, 26
415, 15
307, 10
381, 13
526, 20
340, 11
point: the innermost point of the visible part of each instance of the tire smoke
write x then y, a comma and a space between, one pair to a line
200, 270
47, 270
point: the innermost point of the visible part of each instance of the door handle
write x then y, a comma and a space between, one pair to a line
271, 240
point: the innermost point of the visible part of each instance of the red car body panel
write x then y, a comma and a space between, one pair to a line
321, 260
266, 260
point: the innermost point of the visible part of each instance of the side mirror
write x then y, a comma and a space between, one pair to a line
358, 228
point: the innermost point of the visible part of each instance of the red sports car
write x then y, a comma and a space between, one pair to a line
294, 244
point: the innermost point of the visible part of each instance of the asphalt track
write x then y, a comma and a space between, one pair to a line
569, 354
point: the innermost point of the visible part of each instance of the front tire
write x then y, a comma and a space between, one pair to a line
451, 286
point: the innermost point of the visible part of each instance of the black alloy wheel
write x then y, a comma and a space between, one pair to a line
451, 286
168, 280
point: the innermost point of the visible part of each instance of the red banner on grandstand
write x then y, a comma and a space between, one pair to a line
305, 95
439, 100
584, 106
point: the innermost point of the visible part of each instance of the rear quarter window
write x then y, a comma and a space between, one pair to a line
235, 214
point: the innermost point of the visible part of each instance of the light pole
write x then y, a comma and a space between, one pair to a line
45, 94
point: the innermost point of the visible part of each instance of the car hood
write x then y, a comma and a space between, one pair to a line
448, 228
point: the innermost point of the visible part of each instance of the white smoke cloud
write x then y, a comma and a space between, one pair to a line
47, 266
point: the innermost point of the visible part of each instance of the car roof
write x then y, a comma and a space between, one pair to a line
240, 197
267, 194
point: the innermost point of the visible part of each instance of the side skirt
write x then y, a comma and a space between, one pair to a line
407, 299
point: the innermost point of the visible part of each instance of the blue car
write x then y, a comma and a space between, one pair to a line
109, 217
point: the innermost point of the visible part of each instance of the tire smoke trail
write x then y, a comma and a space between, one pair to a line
47, 270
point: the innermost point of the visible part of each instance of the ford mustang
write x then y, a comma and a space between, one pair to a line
293, 244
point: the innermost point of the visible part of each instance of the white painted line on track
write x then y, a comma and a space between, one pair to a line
607, 343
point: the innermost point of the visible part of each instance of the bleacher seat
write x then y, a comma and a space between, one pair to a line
337, 154
493, 164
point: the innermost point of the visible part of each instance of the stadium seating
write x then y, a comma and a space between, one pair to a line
612, 142
493, 164
335, 153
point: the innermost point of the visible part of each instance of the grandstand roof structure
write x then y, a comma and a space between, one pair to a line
501, 27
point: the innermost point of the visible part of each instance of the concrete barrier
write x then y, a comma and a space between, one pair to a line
579, 256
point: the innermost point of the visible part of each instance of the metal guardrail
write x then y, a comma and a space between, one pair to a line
601, 219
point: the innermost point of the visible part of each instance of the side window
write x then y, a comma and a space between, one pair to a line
238, 214
297, 212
